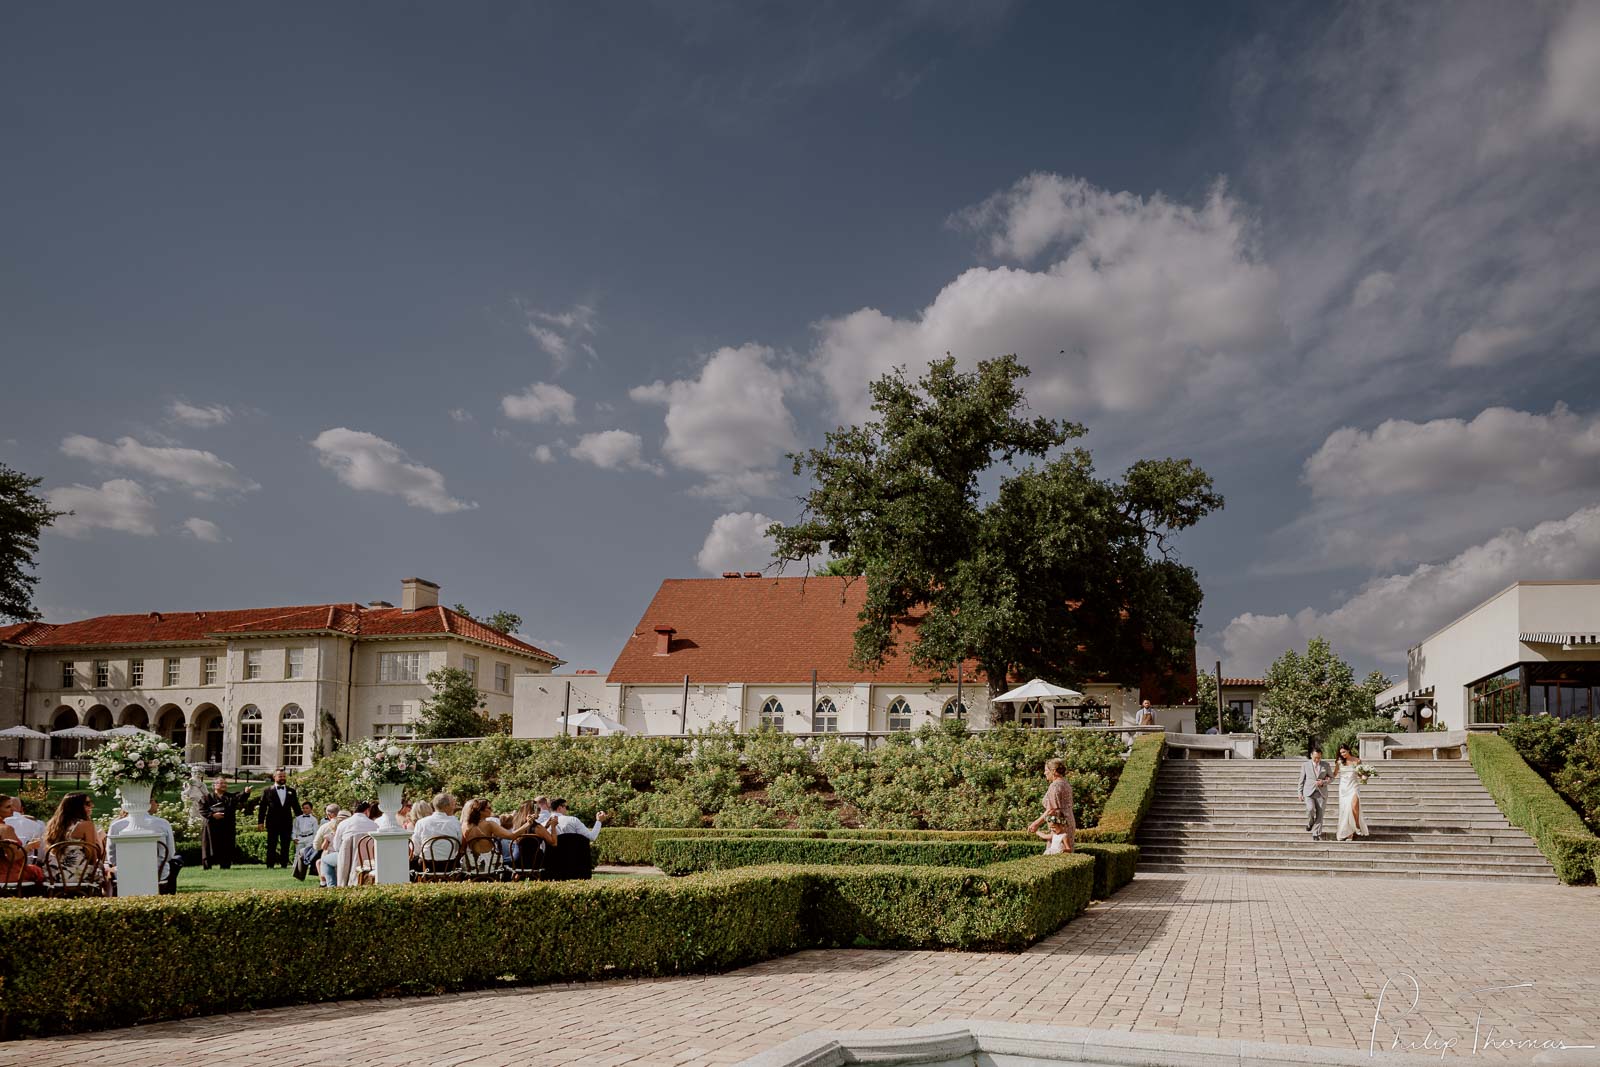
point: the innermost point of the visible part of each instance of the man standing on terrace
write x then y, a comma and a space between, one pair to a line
1057, 819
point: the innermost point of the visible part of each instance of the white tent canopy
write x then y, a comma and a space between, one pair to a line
1039, 690
592, 720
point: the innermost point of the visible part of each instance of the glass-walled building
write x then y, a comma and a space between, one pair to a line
1531, 649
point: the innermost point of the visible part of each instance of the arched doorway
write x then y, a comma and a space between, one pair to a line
170, 724
64, 718
206, 734
98, 718
134, 715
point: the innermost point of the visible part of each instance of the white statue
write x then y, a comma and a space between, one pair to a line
194, 791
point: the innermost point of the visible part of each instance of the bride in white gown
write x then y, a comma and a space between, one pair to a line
1351, 824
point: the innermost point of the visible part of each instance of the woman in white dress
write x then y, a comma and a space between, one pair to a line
1351, 823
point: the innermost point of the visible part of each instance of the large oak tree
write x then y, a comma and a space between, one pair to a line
24, 514
954, 503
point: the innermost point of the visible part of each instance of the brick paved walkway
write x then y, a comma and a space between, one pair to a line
1259, 958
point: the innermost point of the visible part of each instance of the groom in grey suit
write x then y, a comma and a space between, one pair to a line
1314, 780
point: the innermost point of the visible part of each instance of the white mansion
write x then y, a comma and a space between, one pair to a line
253, 688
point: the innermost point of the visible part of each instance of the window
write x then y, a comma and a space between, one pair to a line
136, 673
252, 663
825, 720
470, 665
102, 673
208, 670
250, 736
899, 714
292, 737
1496, 699
771, 717
69, 674
391, 729
953, 709
172, 672
502, 677
400, 667
294, 663
1244, 709
1031, 715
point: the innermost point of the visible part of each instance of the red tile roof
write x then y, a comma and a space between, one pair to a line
190, 627
23, 633
1244, 683
771, 630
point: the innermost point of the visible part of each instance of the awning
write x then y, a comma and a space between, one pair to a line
1567, 641
1425, 693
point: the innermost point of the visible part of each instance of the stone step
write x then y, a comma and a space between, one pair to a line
1314, 872
1516, 840
1271, 820
1330, 847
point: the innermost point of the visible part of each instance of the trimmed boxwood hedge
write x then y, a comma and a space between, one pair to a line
139, 959
1130, 801
688, 855
1529, 802
252, 849
1114, 865
633, 845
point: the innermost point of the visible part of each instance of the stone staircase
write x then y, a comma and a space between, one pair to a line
1428, 820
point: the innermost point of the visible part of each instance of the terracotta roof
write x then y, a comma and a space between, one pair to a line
160, 628
771, 630
1244, 683
24, 633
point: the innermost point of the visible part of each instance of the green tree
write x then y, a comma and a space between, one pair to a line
1054, 572
1205, 716
1311, 695
507, 622
456, 708
24, 514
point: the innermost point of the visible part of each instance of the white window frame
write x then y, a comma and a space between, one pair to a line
294, 663
136, 673
1032, 715
172, 671
898, 717
502, 677
825, 717
292, 736
252, 664
209, 667
470, 665
954, 708
250, 736
102, 674
69, 674
770, 717
400, 666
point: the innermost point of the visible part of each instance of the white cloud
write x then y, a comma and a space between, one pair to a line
1388, 615
1498, 448
1484, 345
119, 504
202, 473
541, 402
1145, 299
203, 530
367, 462
562, 334
1572, 73
544, 454
461, 415
737, 541
1373, 288
613, 450
730, 424
199, 416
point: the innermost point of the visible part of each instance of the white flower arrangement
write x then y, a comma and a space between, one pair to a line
138, 758
1365, 771
379, 763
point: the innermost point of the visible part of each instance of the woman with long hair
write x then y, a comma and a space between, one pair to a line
1351, 824
478, 823
73, 824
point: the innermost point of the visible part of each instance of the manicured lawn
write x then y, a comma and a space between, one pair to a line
195, 880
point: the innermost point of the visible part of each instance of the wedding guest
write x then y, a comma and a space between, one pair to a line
478, 824
30, 831
406, 817
358, 825
276, 812
1058, 818
440, 822
305, 826
168, 874
327, 858
15, 868
219, 834
419, 811
72, 822
571, 824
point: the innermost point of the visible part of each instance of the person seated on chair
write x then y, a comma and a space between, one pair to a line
327, 859
441, 821
168, 875
8, 866
30, 831
573, 858
478, 823
359, 824
571, 824
72, 824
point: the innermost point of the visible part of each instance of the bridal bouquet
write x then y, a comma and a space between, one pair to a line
1365, 771
143, 758
379, 763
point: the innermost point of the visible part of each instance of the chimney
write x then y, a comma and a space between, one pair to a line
752, 574
418, 593
664, 639
731, 574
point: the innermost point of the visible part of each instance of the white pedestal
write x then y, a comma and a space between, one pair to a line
137, 873
393, 854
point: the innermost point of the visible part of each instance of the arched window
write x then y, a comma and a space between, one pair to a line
772, 715
292, 736
953, 709
250, 736
1031, 715
899, 714
825, 720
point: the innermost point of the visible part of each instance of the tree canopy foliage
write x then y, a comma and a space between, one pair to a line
953, 502
456, 707
24, 514
507, 622
1310, 696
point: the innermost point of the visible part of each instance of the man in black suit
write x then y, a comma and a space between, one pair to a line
275, 814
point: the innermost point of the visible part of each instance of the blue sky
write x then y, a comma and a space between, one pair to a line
531, 299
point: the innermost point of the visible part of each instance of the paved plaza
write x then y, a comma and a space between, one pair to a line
1261, 958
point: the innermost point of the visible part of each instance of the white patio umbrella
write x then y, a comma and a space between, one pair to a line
129, 730
593, 720
23, 733
78, 733
1041, 691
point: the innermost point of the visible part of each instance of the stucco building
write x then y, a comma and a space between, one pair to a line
745, 651
1532, 648
258, 687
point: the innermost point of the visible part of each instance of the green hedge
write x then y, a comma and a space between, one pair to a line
1529, 802
1130, 801
139, 959
688, 855
252, 849
1113, 865
632, 845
